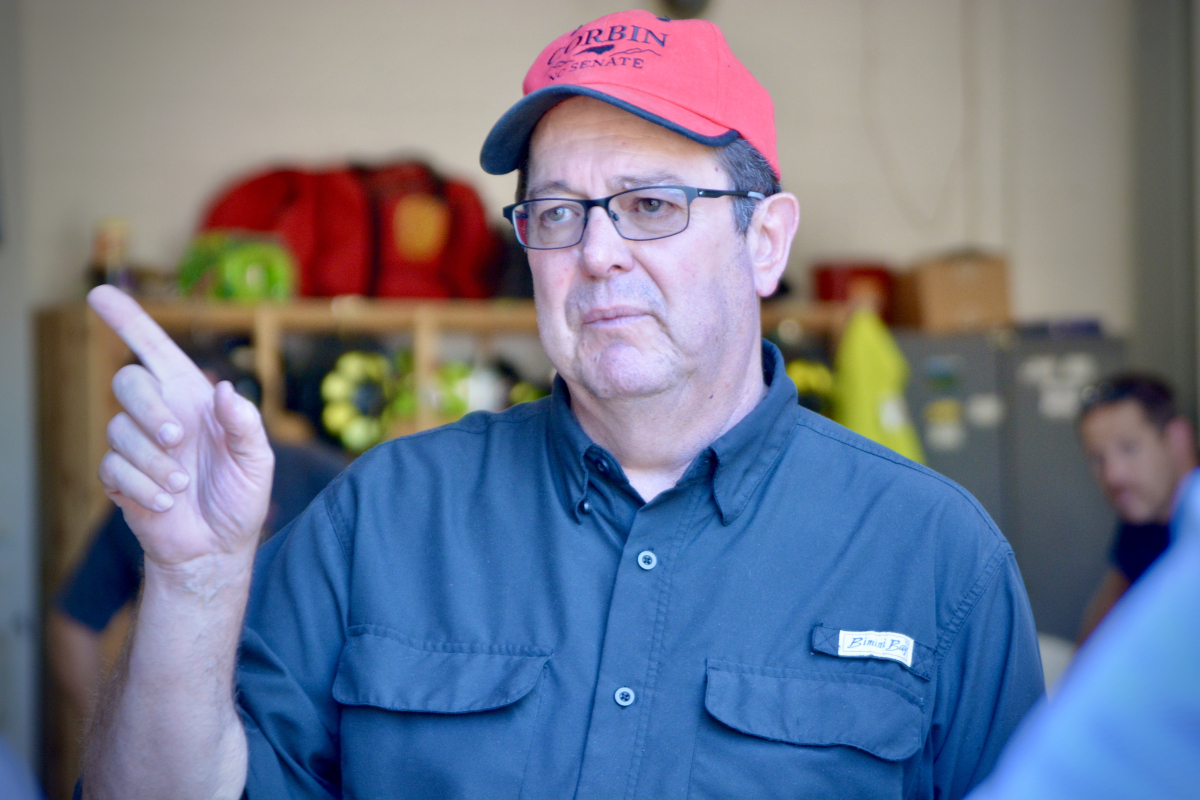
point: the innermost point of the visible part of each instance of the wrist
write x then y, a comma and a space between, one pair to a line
204, 576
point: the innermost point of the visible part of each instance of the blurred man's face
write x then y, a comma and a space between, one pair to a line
1133, 461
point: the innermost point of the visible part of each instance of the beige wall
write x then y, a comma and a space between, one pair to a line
904, 127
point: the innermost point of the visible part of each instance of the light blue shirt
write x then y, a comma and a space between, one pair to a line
1125, 722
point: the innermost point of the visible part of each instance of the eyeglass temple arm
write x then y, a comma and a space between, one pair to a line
729, 193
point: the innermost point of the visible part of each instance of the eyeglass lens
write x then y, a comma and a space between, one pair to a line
639, 214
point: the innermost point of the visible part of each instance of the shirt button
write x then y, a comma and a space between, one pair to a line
624, 696
647, 560
585, 507
601, 466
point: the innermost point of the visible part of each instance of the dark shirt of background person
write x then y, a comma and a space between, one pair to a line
110, 572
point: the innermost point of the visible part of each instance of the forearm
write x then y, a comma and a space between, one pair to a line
166, 725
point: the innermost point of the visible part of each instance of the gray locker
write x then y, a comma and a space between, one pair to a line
956, 402
996, 413
1060, 524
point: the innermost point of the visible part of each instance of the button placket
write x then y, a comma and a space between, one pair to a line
638, 611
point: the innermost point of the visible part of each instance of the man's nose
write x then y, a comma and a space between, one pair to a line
1113, 472
603, 250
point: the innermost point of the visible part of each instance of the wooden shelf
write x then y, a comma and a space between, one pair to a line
266, 324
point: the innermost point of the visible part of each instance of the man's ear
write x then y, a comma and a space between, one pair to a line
769, 239
1181, 443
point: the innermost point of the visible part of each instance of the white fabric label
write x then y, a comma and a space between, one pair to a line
876, 644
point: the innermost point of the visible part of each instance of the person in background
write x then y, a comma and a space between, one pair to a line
109, 574
1140, 449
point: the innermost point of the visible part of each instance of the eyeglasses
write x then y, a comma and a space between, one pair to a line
639, 215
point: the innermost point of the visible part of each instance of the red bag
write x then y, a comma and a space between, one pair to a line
392, 231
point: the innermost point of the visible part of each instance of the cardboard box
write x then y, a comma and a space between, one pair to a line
958, 292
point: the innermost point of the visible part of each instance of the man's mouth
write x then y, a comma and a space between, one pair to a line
613, 315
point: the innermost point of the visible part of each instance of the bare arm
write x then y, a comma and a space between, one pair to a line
191, 469
1112, 587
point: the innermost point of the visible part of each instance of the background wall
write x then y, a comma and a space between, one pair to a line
904, 128
18, 572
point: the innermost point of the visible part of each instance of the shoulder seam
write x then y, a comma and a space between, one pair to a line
970, 600
336, 520
920, 470
493, 419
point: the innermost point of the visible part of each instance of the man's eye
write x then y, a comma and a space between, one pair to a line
649, 205
557, 214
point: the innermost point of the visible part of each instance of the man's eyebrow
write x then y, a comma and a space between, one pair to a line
666, 177
547, 189
617, 184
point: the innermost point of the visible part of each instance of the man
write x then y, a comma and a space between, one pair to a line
1140, 449
666, 580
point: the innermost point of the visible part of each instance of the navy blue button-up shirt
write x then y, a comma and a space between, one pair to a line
468, 613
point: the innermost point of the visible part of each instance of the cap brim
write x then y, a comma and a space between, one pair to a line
506, 142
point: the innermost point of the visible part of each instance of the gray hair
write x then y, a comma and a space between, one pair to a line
747, 169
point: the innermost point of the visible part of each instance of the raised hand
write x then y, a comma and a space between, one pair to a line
189, 464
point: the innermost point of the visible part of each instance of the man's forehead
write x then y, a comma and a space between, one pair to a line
551, 187
582, 128
1123, 416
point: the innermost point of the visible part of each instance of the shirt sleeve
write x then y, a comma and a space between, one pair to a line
1119, 554
990, 676
107, 578
1123, 723
290, 647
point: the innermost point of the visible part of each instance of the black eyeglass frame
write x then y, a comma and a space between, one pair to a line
691, 192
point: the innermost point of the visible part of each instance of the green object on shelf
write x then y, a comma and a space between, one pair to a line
358, 397
525, 392
227, 266
453, 389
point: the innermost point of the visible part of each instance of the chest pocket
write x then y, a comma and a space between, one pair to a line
789, 733
443, 719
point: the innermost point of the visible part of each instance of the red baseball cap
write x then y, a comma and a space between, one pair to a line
680, 74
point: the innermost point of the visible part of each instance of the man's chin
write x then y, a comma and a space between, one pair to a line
1135, 515
624, 372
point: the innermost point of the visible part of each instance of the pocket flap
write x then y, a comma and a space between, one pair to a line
860, 711
381, 669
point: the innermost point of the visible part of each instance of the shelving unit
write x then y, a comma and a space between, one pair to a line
78, 355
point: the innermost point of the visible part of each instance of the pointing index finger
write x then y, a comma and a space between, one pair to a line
157, 351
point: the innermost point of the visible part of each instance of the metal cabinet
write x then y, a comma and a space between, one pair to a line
996, 413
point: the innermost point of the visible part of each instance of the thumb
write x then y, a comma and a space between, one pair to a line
244, 433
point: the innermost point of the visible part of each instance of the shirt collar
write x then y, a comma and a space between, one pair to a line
743, 455
747, 452
569, 447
